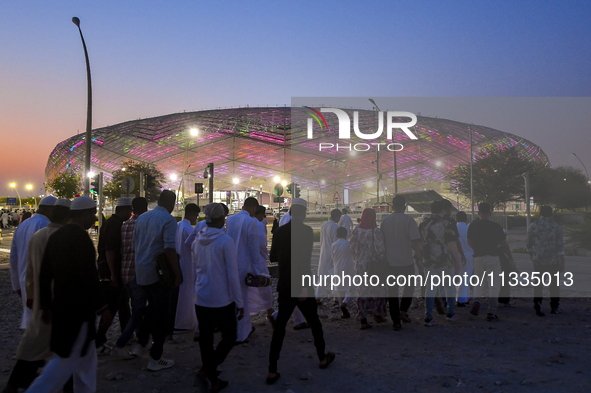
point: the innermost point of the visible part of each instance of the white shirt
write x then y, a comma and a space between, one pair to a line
346, 223
217, 282
341, 256
185, 316
243, 230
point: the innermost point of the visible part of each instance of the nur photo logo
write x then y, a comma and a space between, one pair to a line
344, 128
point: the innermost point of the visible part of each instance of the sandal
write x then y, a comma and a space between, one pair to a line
329, 357
379, 319
397, 327
218, 386
303, 325
404, 318
271, 381
365, 326
345, 313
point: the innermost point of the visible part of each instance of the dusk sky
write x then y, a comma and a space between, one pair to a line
154, 58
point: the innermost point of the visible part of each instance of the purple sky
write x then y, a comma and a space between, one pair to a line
153, 58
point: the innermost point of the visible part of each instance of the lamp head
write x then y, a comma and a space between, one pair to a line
76, 21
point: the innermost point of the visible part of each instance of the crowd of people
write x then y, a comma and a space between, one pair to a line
11, 219
201, 277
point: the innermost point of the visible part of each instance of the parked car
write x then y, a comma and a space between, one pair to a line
357, 210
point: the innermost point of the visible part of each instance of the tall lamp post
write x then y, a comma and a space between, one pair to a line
88, 136
20, 205
584, 167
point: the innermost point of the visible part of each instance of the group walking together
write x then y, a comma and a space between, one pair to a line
194, 277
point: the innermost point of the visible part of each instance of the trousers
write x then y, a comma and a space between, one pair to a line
308, 308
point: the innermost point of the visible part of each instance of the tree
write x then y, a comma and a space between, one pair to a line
496, 173
66, 185
565, 188
113, 189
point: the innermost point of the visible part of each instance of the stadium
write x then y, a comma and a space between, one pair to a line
252, 149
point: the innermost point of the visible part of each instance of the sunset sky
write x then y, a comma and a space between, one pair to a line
153, 58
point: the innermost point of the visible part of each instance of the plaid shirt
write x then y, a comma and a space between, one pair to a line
127, 253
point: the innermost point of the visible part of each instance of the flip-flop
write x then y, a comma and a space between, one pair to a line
329, 359
271, 381
366, 326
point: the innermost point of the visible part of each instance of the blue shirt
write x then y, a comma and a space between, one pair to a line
154, 231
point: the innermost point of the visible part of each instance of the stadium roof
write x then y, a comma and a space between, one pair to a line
256, 144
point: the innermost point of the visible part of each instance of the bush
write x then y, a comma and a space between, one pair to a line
580, 235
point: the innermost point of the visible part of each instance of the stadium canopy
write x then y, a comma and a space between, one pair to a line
254, 145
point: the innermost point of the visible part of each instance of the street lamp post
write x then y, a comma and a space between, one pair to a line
88, 137
584, 167
30, 187
20, 205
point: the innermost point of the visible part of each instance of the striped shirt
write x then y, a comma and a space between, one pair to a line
127, 253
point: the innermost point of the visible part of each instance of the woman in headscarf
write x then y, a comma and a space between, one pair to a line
367, 245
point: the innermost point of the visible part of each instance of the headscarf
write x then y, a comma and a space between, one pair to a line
368, 219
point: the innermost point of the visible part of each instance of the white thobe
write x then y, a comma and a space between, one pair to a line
328, 235
18, 258
261, 298
343, 262
346, 223
5, 219
285, 219
242, 228
298, 317
194, 231
34, 344
185, 311
468, 268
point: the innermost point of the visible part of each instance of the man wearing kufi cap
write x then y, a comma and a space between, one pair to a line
242, 228
33, 348
109, 268
70, 299
18, 251
219, 294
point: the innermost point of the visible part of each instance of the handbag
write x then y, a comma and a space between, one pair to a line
377, 266
166, 275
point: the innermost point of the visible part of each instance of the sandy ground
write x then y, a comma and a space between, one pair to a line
520, 353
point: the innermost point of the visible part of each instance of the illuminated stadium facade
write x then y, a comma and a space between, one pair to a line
253, 145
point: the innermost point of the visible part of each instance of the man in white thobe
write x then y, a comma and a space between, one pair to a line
186, 318
261, 298
468, 268
33, 348
18, 251
242, 228
328, 235
346, 222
